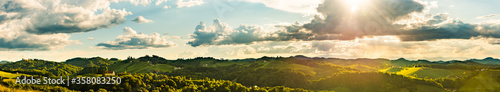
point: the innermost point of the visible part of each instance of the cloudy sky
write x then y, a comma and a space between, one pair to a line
420, 29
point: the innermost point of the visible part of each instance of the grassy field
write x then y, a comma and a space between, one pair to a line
292, 66
5, 89
485, 81
391, 70
363, 67
408, 71
315, 72
139, 67
425, 72
10, 75
441, 73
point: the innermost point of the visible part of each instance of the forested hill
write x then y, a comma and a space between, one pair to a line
3, 62
90, 62
296, 72
40, 67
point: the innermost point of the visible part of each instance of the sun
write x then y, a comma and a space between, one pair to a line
354, 4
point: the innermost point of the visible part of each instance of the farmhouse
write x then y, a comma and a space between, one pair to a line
109, 73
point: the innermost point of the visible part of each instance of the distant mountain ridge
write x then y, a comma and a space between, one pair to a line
89, 62
488, 60
3, 62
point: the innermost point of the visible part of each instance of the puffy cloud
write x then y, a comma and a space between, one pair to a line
442, 27
136, 2
221, 34
345, 20
188, 3
160, 2
41, 25
178, 3
30, 42
166, 7
373, 17
141, 19
30, 20
337, 21
71, 21
90, 38
133, 40
189, 54
49, 17
390, 47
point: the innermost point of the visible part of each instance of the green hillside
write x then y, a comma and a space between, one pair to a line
10, 75
485, 81
139, 67
376, 82
40, 67
89, 62
272, 74
4, 62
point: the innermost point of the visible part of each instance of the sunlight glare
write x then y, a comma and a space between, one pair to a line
354, 8
354, 4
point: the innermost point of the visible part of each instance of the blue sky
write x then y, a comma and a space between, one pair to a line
249, 29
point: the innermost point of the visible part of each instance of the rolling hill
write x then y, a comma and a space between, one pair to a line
40, 67
89, 62
331, 74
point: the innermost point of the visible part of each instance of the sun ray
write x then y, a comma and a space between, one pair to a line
354, 4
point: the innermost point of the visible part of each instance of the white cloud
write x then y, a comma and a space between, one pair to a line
188, 3
160, 2
135, 2
140, 19
451, 6
389, 47
42, 25
166, 7
133, 40
90, 38
21, 41
488, 16
189, 54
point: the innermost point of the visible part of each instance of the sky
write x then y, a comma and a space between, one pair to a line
58, 30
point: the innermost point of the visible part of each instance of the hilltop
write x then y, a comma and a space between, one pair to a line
308, 73
40, 67
90, 62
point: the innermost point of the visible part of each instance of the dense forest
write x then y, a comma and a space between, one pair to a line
276, 74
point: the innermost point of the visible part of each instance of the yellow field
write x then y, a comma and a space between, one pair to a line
407, 71
384, 70
5, 89
10, 75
